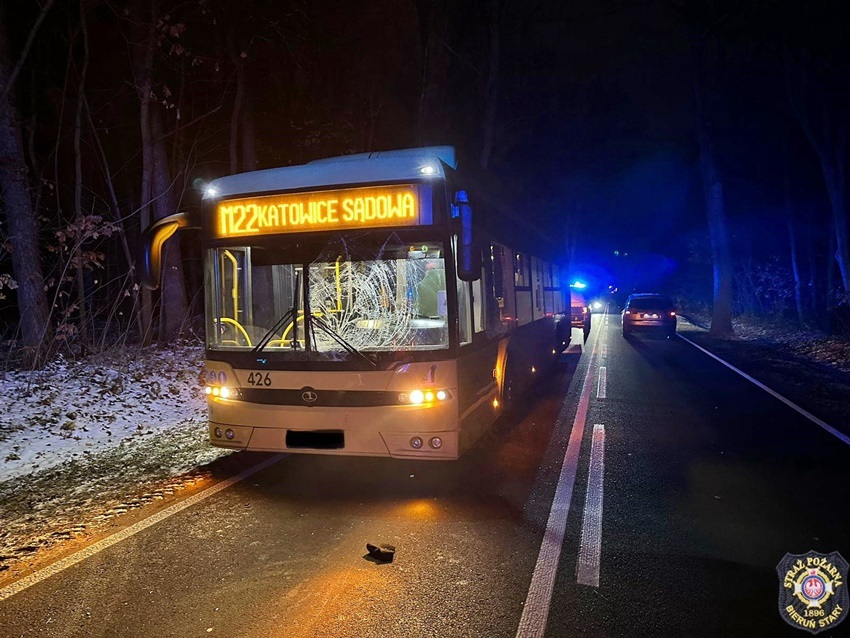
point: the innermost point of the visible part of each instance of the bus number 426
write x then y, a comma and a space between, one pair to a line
258, 378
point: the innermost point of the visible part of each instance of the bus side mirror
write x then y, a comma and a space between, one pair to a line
468, 258
152, 242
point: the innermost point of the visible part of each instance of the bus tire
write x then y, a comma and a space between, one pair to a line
514, 392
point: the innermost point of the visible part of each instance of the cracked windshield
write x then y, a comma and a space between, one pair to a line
380, 297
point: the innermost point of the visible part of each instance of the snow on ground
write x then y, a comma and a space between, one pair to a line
77, 439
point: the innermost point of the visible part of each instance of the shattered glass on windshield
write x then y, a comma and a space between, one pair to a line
373, 294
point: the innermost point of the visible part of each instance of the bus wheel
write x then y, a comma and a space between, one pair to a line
512, 394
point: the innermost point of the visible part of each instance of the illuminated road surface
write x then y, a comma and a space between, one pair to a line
683, 487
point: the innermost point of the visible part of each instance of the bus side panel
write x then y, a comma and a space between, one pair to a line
477, 388
531, 352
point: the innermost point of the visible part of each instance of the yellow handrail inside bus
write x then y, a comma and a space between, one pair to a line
238, 326
338, 287
292, 323
234, 291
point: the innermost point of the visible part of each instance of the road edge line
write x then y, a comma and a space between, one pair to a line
535, 610
590, 548
113, 539
811, 417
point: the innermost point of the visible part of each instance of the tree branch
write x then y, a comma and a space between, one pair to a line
11, 82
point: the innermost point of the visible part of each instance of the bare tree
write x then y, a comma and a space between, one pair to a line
706, 66
494, 10
78, 180
20, 216
157, 184
819, 104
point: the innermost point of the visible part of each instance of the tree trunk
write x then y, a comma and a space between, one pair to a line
249, 134
721, 315
833, 174
491, 91
143, 52
792, 238
172, 310
235, 116
813, 270
82, 311
721, 253
795, 269
21, 218
830, 284
118, 220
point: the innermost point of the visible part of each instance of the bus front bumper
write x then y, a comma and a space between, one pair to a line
390, 431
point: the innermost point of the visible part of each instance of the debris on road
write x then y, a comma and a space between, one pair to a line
381, 553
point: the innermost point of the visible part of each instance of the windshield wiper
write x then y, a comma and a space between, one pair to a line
324, 327
291, 314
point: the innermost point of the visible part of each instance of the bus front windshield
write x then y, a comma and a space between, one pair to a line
372, 295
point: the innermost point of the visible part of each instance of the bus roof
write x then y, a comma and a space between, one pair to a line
382, 166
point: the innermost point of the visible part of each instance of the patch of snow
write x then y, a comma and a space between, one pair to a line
78, 437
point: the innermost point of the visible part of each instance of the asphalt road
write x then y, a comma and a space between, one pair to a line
699, 484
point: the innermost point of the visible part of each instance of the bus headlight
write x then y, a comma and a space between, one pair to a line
207, 390
418, 397
225, 393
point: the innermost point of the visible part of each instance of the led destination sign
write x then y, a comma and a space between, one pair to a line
345, 209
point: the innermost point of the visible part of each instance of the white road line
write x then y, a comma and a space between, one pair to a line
602, 388
811, 417
535, 611
109, 541
590, 550
604, 348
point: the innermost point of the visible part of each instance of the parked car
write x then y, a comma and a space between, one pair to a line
649, 312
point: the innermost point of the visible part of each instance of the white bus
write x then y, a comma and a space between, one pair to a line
349, 310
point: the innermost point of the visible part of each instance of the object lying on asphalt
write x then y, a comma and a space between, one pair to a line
382, 553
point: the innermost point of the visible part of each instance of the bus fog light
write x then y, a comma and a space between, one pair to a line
229, 434
416, 443
442, 395
436, 442
417, 397
218, 433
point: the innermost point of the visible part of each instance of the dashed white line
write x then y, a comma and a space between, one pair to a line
602, 389
811, 417
604, 349
535, 611
590, 550
109, 541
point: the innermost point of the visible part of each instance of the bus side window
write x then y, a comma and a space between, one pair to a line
480, 301
524, 311
463, 309
503, 308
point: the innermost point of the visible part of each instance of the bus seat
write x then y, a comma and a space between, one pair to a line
427, 289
